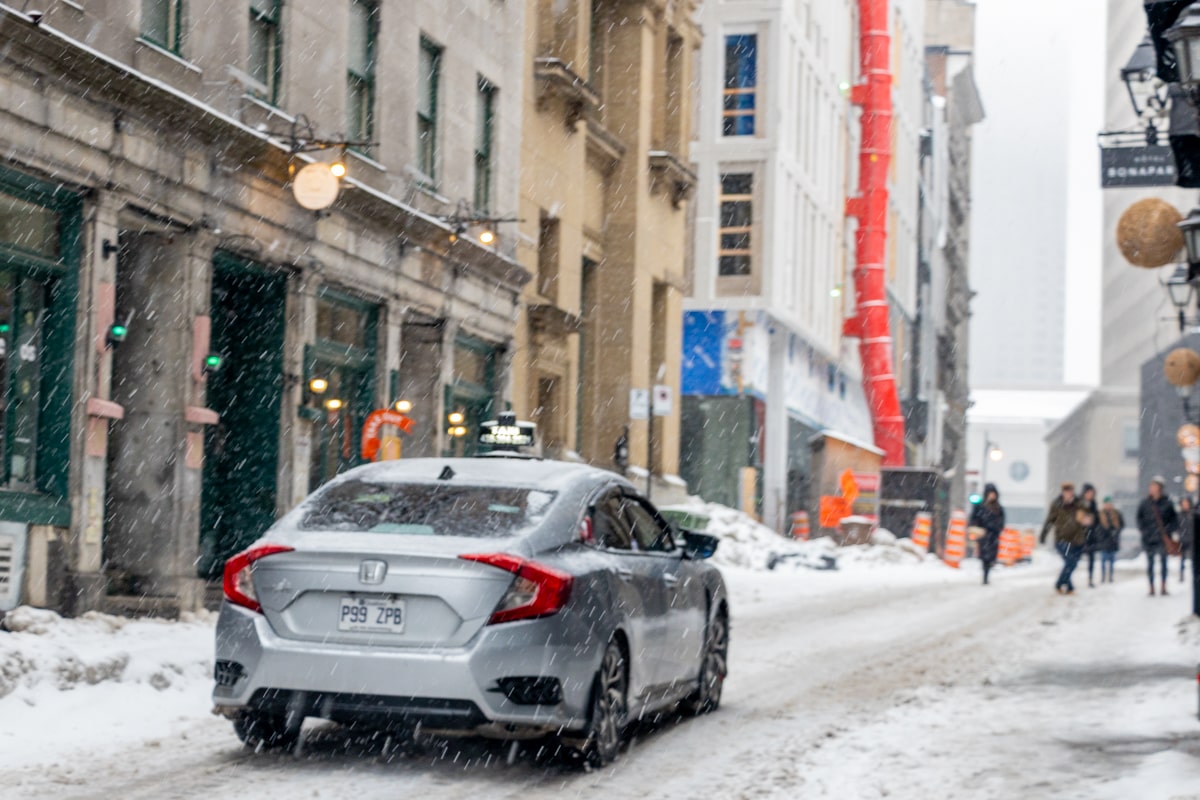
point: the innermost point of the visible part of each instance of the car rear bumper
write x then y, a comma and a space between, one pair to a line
522, 675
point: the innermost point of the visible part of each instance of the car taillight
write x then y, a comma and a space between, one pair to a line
239, 588
537, 591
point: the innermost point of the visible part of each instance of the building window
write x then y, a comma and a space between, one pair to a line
264, 62
1131, 441
429, 70
161, 23
360, 71
737, 190
548, 252
741, 79
470, 392
485, 119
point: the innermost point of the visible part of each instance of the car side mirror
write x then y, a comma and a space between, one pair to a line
699, 546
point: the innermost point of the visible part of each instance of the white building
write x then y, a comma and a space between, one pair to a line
775, 152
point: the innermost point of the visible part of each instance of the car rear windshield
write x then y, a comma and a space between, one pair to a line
426, 509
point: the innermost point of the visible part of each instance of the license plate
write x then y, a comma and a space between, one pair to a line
371, 615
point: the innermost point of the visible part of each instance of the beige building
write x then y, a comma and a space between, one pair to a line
148, 222
607, 111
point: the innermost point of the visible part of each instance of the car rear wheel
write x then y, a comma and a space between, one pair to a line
609, 707
257, 729
713, 666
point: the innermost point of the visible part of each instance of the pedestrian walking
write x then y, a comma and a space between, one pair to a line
1159, 526
1090, 519
989, 515
1066, 517
1187, 535
1109, 527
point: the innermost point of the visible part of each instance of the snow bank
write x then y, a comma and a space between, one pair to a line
745, 542
41, 651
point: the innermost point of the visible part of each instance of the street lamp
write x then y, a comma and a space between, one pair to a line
991, 452
1139, 78
1184, 37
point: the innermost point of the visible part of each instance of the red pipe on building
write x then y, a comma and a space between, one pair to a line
871, 324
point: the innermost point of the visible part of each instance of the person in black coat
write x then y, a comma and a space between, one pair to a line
1157, 521
989, 515
1087, 502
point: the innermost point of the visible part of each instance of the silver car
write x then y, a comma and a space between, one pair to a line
515, 598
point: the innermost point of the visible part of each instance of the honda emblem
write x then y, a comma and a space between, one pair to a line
372, 571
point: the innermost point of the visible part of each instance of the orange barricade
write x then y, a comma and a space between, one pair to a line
1028, 543
956, 539
800, 526
1010, 547
922, 525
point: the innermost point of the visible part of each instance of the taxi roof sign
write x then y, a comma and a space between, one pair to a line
508, 433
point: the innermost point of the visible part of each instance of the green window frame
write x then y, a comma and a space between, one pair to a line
265, 46
162, 24
485, 123
360, 72
473, 399
428, 75
42, 499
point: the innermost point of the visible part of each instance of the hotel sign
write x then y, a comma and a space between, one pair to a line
1137, 166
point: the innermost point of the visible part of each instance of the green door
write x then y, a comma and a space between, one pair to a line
241, 452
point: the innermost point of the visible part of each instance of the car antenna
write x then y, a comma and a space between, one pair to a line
447, 473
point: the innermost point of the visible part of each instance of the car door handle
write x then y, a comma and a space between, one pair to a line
670, 580
625, 574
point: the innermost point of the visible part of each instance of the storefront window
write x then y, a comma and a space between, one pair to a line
29, 227
344, 358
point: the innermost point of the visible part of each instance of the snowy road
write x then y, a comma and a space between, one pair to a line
888, 681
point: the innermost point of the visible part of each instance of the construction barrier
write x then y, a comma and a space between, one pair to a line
1010, 547
800, 526
922, 526
1028, 543
956, 539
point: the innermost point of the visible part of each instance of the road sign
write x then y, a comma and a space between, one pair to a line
662, 400
639, 404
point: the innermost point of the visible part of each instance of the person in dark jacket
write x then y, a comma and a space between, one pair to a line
989, 515
1187, 535
1108, 540
1069, 534
1087, 501
1157, 521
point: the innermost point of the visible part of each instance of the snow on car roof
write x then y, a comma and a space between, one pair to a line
534, 473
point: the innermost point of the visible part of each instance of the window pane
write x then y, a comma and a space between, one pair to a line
265, 8
28, 226
483, 118
734, 265
426, 510
341, 323
735, 241
259, 62
357, 111
741, 81
736, 215
472, 366
358, 57
427, 82
737, 183
156, 24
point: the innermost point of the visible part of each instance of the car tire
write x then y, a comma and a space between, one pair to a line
713, 666
268, 731
606, 722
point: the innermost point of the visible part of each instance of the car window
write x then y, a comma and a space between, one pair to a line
648, 534
609, 528
417, 509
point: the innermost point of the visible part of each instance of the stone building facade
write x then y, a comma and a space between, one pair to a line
604, 221
167, 304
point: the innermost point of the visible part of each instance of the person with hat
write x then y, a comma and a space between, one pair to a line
1159, 526
989, 515
1108, 539
1068, 518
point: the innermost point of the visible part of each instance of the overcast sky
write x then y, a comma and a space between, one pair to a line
1041, 73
